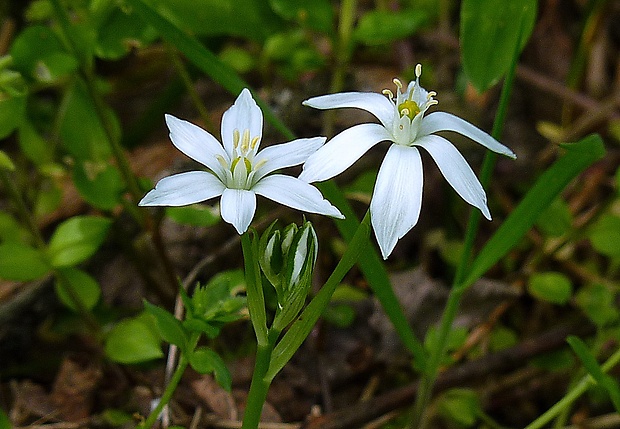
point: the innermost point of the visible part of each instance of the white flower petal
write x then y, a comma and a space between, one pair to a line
456, 171
342, 151
292, 192
183, 189
286, 155
243, 115
377, 104
397, 197
237, 207
196, 143
442, 121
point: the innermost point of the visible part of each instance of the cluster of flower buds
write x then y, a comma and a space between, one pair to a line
287, 259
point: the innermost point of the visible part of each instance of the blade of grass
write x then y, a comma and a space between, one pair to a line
577, 158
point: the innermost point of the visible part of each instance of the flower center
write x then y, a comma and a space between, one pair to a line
408, 108
242, 168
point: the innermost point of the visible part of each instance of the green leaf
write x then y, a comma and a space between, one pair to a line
83, 287
550, 286
605, 235
81, 130
118, 32
598, 303
556, 219
5, 161
20, 262
170, 328
99, 183
591, 365
254, 287
35, 147
461, 406
77, 239
577, 158
381, 26
11, 230
340, 315
195, 215
32, 46
13, 97
490, 32
133, 341
204, 360
316, 14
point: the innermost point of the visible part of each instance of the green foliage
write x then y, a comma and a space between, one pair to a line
605, 235
195, 215
598, 303
169, 327
5, 423
21, 262
13, 92
556, 219
550, 286
77, 239
591, 365
461, 406
380, 26
456, 339
133, 340
490, 32
204, 361
99, 183
73, 283
317, 14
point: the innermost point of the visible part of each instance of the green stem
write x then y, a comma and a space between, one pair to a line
254, 289
260, 384
584, 384
436, 356
172, 385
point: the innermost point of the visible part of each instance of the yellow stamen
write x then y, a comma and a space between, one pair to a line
235, 138
245, 141
254, 143
388, 93
408, 108
397, 83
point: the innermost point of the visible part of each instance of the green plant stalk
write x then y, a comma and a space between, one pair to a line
260, 384
584, 384
435, 358
172, 385
254, 289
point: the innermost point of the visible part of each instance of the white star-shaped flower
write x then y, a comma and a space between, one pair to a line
238, 171
397, 196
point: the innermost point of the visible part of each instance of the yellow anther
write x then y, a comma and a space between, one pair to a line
418, 70
259, 164
397, 83
254, 142
222, 161
245, 141
235, 138
388, 93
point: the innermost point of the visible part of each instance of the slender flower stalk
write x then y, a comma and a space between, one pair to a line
237, 170
397, 197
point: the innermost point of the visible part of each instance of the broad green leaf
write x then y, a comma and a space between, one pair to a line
195, 215
340, 315
99, 183
461, 406
591, 365
77, 239
381, 26
605, 235
13, 93
169, 327
550, 286
11, 230
502, 337
6, 163
316, 14
577, 157
556, 219
71, 282
81, 130
32, 46
133, 341
118, 32
598, 303
204, 360
48, 199
20, 262
35, 147
238, 59
490, 32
